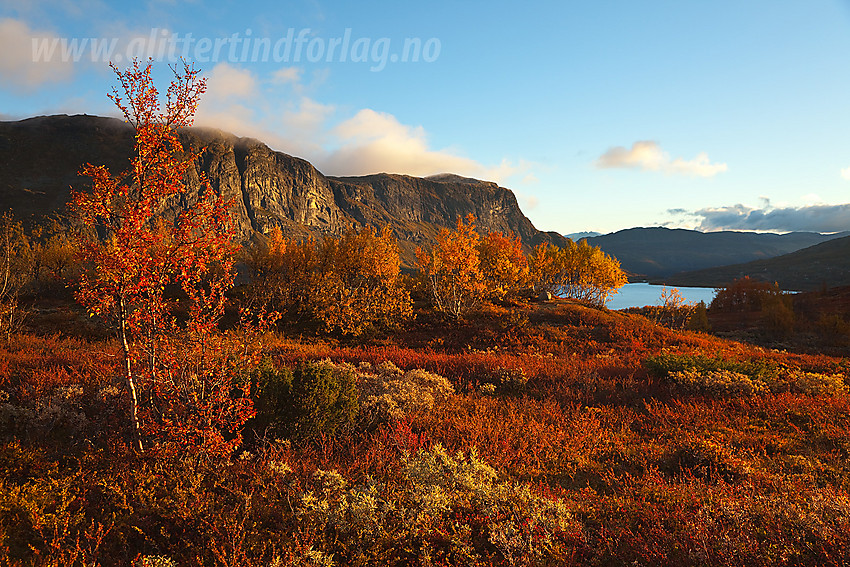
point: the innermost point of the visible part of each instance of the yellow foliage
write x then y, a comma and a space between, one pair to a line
452, 269
502, 264
348, 283
361, 281
579, 271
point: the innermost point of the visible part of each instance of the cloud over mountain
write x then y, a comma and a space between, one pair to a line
647, 155
365, 142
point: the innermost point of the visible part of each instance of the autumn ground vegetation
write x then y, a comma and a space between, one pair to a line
434, 427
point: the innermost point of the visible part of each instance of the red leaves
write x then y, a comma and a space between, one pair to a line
137, 260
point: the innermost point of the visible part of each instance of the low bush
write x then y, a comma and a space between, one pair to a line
390, 393
507, 379
724, 382
439, 508
316, 398
702, 374
815, 383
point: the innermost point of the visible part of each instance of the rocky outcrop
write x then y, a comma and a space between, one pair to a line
40, 158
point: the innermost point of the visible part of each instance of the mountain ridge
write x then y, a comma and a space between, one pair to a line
41, 156
659, 252
823, 265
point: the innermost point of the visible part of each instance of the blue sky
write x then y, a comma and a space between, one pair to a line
599, 115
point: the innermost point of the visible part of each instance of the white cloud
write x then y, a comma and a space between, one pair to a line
648, 156
811, 199
845, 173
287, 75
364, 143
226, 82
308, 118
376, 142
18, 69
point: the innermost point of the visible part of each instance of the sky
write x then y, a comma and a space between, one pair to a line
600, 116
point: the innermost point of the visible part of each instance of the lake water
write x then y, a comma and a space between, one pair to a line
642, 294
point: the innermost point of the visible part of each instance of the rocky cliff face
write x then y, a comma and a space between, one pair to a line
40, 157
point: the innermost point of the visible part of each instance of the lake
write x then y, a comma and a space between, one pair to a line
642, 294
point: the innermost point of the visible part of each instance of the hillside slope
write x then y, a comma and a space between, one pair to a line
823, 265
660, 252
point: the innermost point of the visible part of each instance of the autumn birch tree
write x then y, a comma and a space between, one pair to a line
452, 269
134, 256
578, 271
502, 264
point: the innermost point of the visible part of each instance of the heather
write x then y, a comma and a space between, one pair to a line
571, 435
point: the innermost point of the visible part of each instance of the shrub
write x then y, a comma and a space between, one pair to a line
390, 393
508, 379
155, 561
439, 505
699, 319
734, 378
317, 398
778, 315
745, 294
706, 459
814, 383
724, 382
665, 363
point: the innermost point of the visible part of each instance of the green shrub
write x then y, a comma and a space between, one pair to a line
665, 363
833, 329
316, 398
778, 316
702, 374
698, 320
508, 379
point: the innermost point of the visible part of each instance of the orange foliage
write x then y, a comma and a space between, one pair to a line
285, 274
646, 473
452, 269
361, 282
349, 283
578, 271
503, 264
134, 256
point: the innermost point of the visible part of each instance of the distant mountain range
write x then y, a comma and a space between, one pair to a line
658, 253
823, 265
576, 236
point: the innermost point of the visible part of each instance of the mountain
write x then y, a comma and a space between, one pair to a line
575, 236
823, 265
661, 252
40, 158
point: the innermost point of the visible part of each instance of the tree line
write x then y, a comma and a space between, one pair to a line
354, 281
